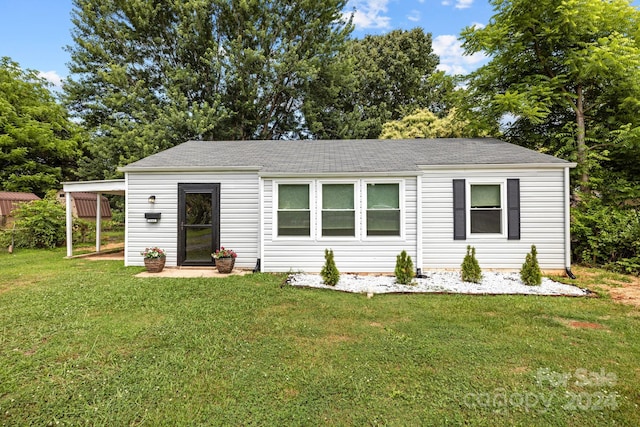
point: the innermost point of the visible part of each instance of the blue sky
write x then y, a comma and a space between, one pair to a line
35, 32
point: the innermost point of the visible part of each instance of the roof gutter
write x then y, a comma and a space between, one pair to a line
500, 166
338, 174
189, 168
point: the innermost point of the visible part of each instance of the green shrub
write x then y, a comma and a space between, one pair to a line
606, 236
40, 224
404, 268
329, 272
5, 239
530, 272
117, 217
111, 225
471, 271
81, 230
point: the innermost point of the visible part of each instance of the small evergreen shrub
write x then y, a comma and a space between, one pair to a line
404, 269
329, 272
471, 271
530, 273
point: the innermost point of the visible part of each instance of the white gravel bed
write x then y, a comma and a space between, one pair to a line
439, 282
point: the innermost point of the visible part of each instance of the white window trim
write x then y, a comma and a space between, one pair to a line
503, 208
401, 207
360, 205
356, 207
276, 210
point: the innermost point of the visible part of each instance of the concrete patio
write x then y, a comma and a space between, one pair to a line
117, 254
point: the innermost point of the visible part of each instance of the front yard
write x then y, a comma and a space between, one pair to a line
85, 342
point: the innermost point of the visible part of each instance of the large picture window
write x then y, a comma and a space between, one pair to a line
338, 210
383, 209
486, 208
294, 213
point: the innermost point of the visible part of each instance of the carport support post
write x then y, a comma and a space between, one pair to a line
98, 220
69, 215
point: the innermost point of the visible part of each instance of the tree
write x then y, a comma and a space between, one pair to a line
425, 124
149, 75
555, 60
374, 80
38, 143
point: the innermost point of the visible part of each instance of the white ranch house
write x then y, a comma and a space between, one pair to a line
279, 204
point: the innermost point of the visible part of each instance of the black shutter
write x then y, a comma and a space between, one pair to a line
513, 208
459, 210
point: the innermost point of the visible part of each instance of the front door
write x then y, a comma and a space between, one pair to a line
198, 223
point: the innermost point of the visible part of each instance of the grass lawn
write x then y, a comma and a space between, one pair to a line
86, 343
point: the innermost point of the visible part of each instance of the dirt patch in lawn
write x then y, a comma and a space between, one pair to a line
585, 325
579, 324
627, 294
624, 289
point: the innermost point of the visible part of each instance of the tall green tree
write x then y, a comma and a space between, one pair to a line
38, 142
380, 78
425, 124
568, 69
148, 75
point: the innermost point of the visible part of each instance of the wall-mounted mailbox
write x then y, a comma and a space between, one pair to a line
152, 216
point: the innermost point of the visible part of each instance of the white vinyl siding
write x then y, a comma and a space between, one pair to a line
239, 213
360, 253
541, 220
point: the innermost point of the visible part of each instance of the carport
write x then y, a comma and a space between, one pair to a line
111, 186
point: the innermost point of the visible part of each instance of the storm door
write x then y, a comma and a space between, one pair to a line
198, 223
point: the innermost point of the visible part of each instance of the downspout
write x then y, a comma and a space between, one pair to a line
567, 225
258, 267
419, 230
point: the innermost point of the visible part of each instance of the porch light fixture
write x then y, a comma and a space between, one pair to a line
152, 199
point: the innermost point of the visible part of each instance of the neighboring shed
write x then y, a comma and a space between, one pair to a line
279, 204
9, 200
84, 205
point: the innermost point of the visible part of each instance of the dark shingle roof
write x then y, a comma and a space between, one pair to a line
341, 156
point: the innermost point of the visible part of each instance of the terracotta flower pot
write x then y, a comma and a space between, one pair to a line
225, 265
154, 265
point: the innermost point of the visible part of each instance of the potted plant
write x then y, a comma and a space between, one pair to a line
225, 259
154, 259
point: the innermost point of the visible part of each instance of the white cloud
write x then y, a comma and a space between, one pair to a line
369, 13
452, 58
51, 76
463, 4
414, 16
459, 4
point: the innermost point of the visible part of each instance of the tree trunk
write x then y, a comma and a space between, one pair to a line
580, 141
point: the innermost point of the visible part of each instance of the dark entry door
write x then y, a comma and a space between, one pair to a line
198, 223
